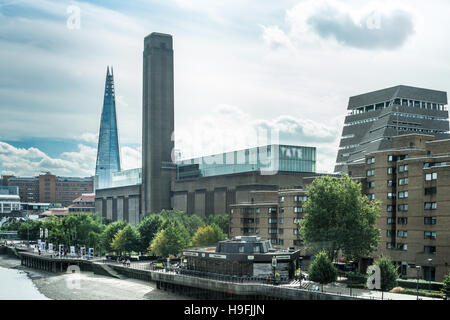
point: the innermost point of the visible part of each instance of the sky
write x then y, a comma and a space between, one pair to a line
288, 66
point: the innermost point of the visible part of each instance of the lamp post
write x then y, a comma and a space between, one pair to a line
418, 270
429, 274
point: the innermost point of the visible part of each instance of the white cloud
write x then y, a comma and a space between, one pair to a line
32, 161
227, 128
88, 137
131, 158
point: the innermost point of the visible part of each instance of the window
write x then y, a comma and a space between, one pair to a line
390, 221
402, 246
371, 196
390, 195
281, 199
281, 210
388, 233
272, 210
370, 173
298, 209
300, 198
390, 208
430, 206
272, 231
430, 191
297, 220
431, 176
370, 160
281, 220
298, 242
390, 170
403, 168
280, 231
402, 233
390, 183
402, 207
429, 220
388, 245
402, 181
429, 249
272, 220
402, 221
403, 194
371, 184
429, 235
241, 249
390, 158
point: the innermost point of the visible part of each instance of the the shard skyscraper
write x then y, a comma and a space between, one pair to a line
108, 155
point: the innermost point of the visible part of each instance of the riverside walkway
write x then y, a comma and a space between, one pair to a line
178, 279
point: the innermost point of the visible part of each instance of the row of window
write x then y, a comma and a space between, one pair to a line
296, 199
404, 247
404, 220
270, 210
404, 234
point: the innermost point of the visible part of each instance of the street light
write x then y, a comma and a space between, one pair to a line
429, 274
418, 270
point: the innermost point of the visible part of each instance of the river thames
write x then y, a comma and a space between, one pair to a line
18, 283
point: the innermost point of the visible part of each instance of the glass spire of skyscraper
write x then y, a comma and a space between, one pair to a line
108, 158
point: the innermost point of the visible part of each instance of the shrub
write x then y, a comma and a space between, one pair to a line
423, 284
446, 285
389, 273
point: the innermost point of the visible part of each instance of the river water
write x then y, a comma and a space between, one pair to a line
16, 285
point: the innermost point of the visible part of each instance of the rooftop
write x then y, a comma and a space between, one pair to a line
400, 91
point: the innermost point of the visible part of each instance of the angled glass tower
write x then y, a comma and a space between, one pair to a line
108, 158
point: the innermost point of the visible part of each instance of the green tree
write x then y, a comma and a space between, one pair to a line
389, 273
207, 235
147, 230
446, 286
170, 240
322, 269
339, 218
223, 221
125, 240
110, 232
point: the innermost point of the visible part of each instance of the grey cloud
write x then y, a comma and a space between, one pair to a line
374, 31
299, 131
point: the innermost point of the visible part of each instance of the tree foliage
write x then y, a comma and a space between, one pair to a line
339, 218
147, 230
322, 269
170, 240
110, 232
221, 220
207, 235
446, 286
125, 240
389, 274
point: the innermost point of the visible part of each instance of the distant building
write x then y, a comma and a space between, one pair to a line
108, 154
9, 203
243, 256
375, 117
83, 204
55, 212
48, 188
9, 190
204, 186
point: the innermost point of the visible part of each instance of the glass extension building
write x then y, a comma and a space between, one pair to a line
266, 159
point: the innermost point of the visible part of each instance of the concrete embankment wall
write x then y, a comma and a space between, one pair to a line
186, 285
257, 290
